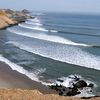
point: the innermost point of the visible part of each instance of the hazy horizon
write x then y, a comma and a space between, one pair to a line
68, 6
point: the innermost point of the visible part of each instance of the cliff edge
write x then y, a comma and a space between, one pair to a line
9, 17
5, 21
19, 94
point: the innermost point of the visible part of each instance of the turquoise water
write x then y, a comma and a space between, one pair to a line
52, 46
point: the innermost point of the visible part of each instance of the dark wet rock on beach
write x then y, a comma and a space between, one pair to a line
72, 90
80, 84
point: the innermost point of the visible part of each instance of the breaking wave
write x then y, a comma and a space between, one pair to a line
72, 79
44, 36
33, 27
36, 27
36, 20
71, 55
67, 81
31, 23
32, 75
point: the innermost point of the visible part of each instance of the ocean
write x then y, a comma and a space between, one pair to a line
54, 45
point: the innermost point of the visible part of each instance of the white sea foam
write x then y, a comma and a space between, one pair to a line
72, 79
44, 36
68, 81
32, 23
66, 54
54, 31
36, 20
36, 27
33, 27
32, 75
86, 92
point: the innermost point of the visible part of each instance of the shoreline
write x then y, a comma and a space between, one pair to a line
5, 27
12, 79
16, 86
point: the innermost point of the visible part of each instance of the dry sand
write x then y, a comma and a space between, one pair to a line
19, 94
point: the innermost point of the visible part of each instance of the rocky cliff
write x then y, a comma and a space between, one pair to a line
9, 17
5, 21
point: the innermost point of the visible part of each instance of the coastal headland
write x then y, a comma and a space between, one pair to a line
9, 17
16, 86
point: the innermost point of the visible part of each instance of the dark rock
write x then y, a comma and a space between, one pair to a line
9, 11
60, 80
73, 92
93, 97
32, 17
68, 91
25, 11
85, 97
65, 91
80, 84
91, 85
20, 18
74, 89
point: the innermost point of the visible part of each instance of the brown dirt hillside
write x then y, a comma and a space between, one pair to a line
19, 94
5, 20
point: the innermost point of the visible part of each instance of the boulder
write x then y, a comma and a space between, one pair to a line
80, 84
76, 84
65, 91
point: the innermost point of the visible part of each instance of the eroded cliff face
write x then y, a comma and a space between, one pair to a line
9, 17
5, 21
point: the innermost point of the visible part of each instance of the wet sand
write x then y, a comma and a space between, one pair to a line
12, 79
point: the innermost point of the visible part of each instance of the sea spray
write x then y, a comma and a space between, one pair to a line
34, 75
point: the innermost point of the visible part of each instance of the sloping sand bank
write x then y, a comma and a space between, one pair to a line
19, 94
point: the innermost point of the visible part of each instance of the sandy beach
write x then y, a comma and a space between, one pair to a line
16, 86
13, 79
